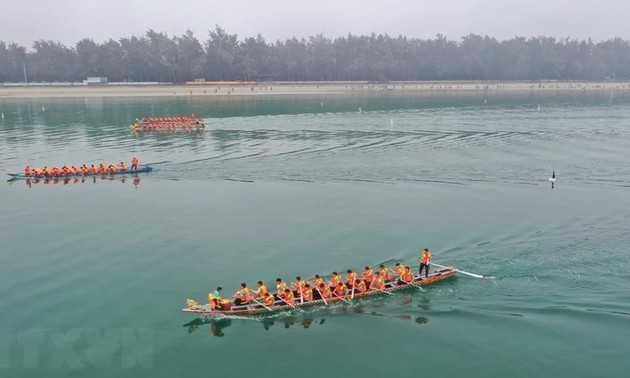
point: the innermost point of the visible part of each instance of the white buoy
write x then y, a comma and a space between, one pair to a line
359, 109
2, 116
391, 125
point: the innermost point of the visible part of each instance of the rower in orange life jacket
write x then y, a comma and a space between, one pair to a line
385, 273
65, 170
351, 277
74, 170
325, 291
288, 297
27, 171
47, 171
85, 169
425, 261
243, 295
102, 168
407, 276
56, 171
94, 169
281, 286
112, 168
268, 299
134, 163
37, 172
359, 286
307, 293
399, 269
298, 285
317, 280
261, 291
379, 282
336, 279
368, 276
340, 289
123, 166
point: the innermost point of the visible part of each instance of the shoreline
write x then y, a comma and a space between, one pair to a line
232, 89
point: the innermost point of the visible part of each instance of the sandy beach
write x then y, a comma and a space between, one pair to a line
298, 89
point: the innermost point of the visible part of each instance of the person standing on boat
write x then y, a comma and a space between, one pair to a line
425, 261
134, 163
351, 277
27, 171
243, 295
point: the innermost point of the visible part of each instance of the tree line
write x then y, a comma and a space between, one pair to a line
376, 57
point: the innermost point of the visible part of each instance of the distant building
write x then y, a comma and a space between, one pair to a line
95, 81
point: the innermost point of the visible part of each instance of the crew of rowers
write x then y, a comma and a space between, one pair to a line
156, 123
82, 170
303, 291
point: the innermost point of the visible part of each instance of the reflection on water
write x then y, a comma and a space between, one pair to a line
61, 181
216, 326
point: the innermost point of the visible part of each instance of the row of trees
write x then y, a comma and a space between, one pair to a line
222, 56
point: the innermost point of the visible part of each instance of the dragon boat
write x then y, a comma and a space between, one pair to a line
140, 169
279, 305
191, 122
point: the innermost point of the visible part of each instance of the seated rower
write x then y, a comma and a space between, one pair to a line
351, 277
385, 273
268, 299
214, 299
288, 297
102, 168
399, 269
406, 277
37, 172
47, 171
340, 290
94, 169
298, 284
261, 291
85, 169
336, 279
317, 280
56, 171
368, 276
65, 170
112, 168
378, 283
74, 170
307, 293
123, 166
324, 291
281, 286
359, 286
243, 295
27, 171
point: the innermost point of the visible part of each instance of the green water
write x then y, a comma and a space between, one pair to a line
94, 273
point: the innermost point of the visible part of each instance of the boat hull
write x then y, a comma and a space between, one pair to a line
255, 309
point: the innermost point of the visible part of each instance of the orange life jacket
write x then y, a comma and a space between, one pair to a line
281, 286
351, 277
360, 287
426, 257
399, 269
288, 297
245, 294
407, 276
123, 166
378, 283
368, 275
336, 280
325, 291
385, 274
268, 300
307, 294
27, 171
340, 290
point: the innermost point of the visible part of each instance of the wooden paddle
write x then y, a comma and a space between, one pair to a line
321, 296
268, 308
462, 271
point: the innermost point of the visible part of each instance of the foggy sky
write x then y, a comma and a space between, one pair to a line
69, 21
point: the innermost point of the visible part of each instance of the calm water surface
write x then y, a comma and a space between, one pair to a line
94, 273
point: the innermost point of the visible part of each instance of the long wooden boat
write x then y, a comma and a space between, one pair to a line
168, 123
141, 169
280, 305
